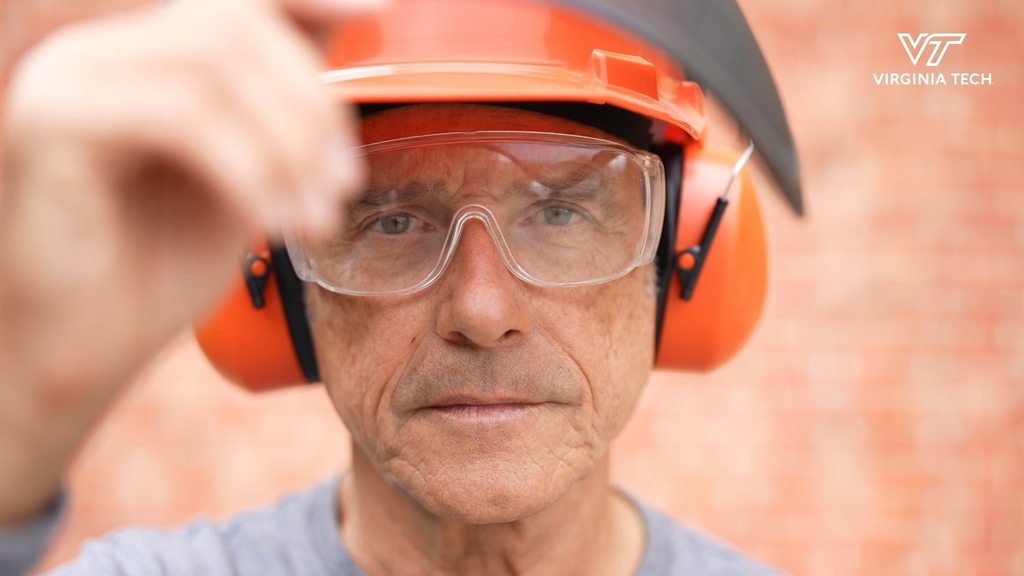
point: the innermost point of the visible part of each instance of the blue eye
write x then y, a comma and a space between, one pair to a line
557, 215
395, 223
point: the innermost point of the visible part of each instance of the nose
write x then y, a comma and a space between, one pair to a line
483, 304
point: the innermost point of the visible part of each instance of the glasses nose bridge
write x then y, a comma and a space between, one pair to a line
490, 223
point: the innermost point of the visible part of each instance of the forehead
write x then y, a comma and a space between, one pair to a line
421, 119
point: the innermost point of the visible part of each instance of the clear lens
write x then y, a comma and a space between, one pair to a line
561, 209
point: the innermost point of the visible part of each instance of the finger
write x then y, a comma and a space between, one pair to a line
317, 16
272, 73
278, 85
177, 110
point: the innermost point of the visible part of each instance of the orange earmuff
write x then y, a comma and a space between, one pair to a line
249, 337
258, 336
721, 260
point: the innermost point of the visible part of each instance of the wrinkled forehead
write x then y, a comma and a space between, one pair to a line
422, 119
495, 169
498, 169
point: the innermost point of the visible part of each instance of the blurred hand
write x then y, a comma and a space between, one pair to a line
140, 153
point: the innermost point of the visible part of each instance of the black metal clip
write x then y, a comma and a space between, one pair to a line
689, 262
256, 270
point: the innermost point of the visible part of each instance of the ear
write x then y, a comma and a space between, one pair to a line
726, 272
258, 336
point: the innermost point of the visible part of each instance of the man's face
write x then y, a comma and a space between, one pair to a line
484, 397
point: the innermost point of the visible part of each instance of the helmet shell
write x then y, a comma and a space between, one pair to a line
501, 50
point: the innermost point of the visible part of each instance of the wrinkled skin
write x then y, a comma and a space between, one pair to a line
561, 369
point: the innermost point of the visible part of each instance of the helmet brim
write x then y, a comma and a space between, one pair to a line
506, 82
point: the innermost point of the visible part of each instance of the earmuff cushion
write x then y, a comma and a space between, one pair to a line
293, 300
672, 158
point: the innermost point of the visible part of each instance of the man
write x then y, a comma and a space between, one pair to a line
481, 310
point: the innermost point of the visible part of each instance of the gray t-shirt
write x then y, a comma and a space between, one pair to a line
299, 536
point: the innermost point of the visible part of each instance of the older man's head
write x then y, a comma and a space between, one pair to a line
487, 393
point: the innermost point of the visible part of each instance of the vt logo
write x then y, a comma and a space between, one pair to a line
915, 47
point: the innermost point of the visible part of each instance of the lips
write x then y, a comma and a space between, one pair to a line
470, 400
477, 410
442, 377
480, 416
464, 399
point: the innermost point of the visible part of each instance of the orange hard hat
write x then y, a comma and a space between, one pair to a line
502, 50
516, 51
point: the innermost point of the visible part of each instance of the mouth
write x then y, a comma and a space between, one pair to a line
483, 410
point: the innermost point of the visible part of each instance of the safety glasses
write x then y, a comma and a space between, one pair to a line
561, 210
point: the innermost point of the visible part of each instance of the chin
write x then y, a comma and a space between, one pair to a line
488, 491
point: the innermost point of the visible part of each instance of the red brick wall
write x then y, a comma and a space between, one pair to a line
875, 424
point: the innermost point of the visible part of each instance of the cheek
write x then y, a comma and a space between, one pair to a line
610, 335
361, 351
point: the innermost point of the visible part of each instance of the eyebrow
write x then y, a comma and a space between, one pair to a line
580, 183
572, 189
375, 197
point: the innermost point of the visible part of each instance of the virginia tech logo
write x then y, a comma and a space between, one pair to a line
915, 47
935, 46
